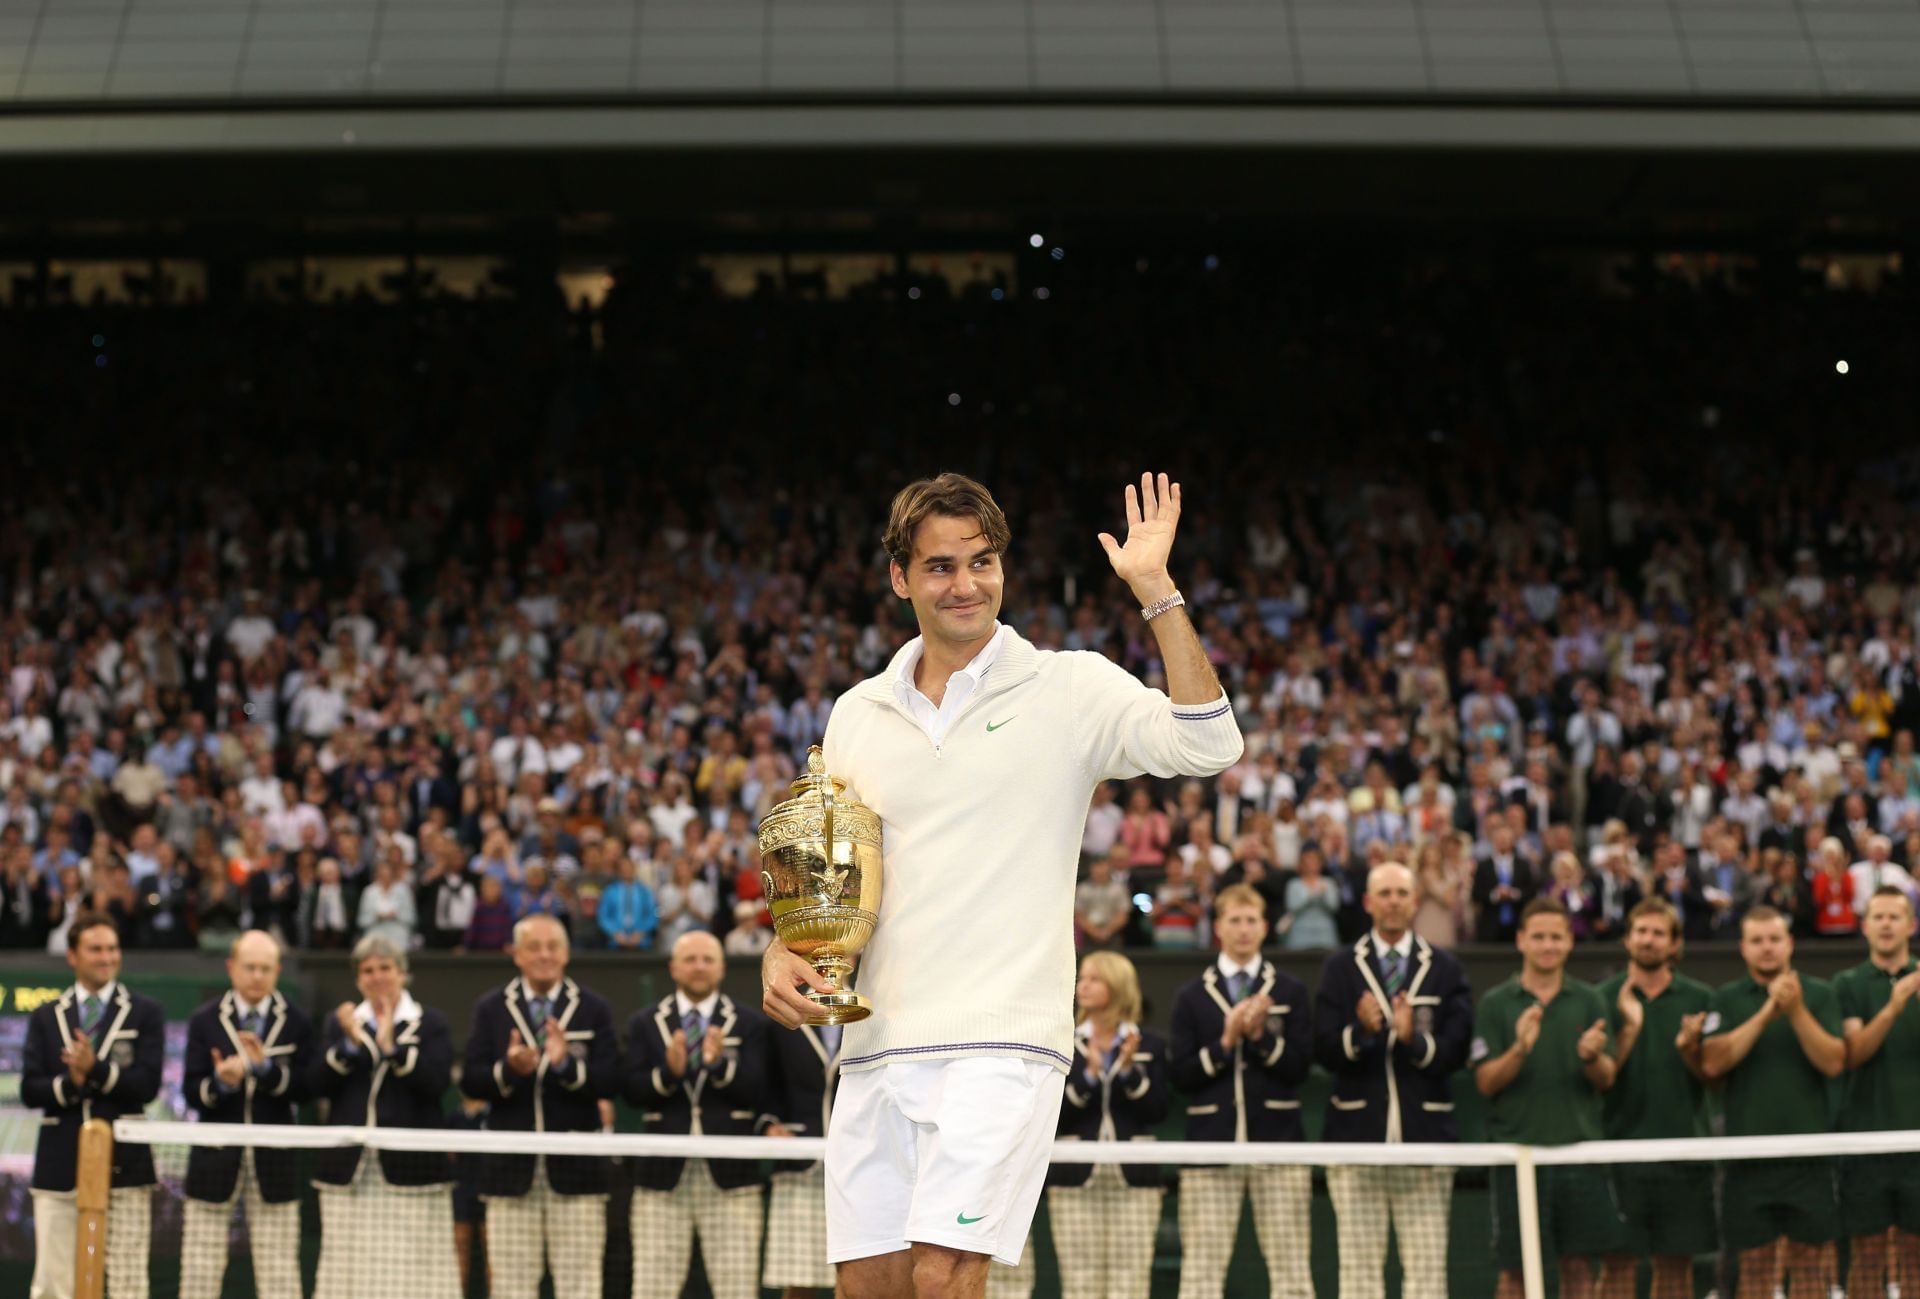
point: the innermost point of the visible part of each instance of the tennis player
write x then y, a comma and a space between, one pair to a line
980, 753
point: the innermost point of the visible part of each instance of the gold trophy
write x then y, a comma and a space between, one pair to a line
820, 867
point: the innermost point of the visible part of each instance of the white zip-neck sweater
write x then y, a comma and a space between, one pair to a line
973, 954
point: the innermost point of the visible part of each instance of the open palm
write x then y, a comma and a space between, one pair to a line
1152, 513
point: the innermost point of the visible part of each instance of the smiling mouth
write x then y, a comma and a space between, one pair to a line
964, 608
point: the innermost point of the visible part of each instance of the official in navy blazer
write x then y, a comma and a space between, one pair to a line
248, 1053
1393, 1023
1105, 1216
384, 1063
1242, 1043
95, 1052
695, 1064
542, 1053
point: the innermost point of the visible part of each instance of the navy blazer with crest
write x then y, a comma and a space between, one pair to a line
1378, 1079
800, 1091
721, 1101
1119, 1107
1249, 1093
130, 1040
403, 1090
268, 1096
545, 1100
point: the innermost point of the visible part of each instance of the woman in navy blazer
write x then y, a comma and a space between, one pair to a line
1105, 1216
386, 1221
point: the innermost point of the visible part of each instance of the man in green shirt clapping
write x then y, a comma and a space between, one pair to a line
1540, 1053
1657, 1015
1775, 1038
1881, 1193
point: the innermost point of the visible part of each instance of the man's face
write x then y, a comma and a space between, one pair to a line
1544, 943
696, 965
1390, 900
1652, 942
953, 580
1888, 925
1241, 930
254, 967
541, 953
96, 958
1765, 946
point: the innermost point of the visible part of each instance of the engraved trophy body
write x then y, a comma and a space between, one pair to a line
820, 867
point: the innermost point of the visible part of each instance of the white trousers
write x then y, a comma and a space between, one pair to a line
381, 1241
1210, 1217
56, 1223
1104, 1234
528, 1234
272, 1229
663, 1224
1417, 1202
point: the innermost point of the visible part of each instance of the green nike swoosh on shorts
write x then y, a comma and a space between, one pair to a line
964, 1220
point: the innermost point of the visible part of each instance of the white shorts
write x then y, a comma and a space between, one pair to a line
940, 1152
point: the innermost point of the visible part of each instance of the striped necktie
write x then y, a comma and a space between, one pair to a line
89, 1013
537, 1013
1393, 971
1237, 984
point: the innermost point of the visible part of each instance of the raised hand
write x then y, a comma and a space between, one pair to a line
1153, 511
520, 1057
254, 1049
229, 1069
343, 1015
1128, 1044
1402, 1017
1632, 1013
1691, 1027
677, 1053
1903, 989
1592, 1042
556, 1044
1785, 992
713, 1045
1372, 1018
1526, 1029
80, 1059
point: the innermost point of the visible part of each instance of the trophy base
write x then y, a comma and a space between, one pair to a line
837, 1008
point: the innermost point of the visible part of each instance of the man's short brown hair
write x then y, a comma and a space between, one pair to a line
1239, 895
954, 495
1762, 914
1544, 907
1656, 907
89, 920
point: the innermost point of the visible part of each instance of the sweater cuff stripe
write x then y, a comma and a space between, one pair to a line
1206, 713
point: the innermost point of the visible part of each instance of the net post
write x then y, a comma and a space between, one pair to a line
1533, 1276
93, 1187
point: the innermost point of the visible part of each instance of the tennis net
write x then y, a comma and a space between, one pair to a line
357, 1213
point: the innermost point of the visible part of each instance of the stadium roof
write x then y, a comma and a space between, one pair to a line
77, 55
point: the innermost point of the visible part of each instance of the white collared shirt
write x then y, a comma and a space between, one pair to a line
241, 1008
1381, 947
706, 1007
1228, 969
80, 995
934, 718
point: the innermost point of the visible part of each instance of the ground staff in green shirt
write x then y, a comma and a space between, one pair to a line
1776, 1040
1540, 1053
1879, 1193
1657, 1016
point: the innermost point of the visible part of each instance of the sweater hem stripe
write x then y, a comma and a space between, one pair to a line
958, 1046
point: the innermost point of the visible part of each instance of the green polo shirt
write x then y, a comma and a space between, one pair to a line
1882, 1094
1550, 1102
1654, 1096
1775, 1091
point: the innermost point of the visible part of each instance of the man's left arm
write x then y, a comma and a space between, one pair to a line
1442, 1048
1191, 729
1816, 1023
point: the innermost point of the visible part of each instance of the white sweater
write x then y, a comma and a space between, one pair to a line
973, 954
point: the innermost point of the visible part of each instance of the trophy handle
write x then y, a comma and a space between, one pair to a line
816, 757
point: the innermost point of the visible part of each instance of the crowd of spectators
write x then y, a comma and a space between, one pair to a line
1538, 588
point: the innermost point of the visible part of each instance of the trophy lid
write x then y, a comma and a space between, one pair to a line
817, 781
